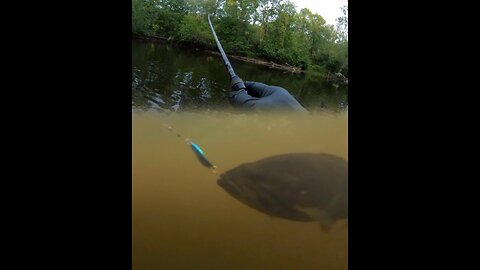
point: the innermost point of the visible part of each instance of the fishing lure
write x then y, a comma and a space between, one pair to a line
196, 150
200, 155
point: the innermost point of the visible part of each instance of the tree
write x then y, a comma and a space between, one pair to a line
342, 25
270, 29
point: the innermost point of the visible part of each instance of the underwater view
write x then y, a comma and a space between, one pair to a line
263, 206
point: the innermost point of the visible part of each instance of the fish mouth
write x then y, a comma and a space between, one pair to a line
227, 184
222, 181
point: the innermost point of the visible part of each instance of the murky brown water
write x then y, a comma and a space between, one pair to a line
183, 220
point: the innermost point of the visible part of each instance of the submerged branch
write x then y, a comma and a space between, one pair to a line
269, 64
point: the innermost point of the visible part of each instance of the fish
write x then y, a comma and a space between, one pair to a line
298, 186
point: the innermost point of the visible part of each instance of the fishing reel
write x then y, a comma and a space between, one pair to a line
237, 84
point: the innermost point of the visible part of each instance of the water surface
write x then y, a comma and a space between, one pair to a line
169, 78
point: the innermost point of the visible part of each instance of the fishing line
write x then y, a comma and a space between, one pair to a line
195, 148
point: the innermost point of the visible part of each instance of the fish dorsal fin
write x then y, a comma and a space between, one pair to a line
322, 216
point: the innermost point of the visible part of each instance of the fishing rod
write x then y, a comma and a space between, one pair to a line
235, 81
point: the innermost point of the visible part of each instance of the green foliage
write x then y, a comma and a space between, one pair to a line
342, 25
235, 35
143, 16
194, 29
270, 29
315, 73
168, 23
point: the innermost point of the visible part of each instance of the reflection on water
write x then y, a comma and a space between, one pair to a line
170, 79
182, 219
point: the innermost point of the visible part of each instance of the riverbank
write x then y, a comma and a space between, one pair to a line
334, 77
269, 64
256, 61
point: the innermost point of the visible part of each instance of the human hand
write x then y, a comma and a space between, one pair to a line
264, 97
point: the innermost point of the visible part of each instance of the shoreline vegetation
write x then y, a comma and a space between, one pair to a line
257, 61
264, 32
